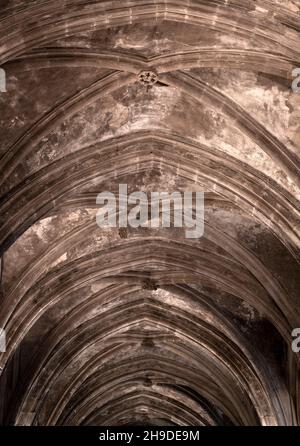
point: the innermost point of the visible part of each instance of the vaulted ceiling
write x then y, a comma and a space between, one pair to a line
145, 326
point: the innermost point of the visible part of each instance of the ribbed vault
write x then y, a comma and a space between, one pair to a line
144, 326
